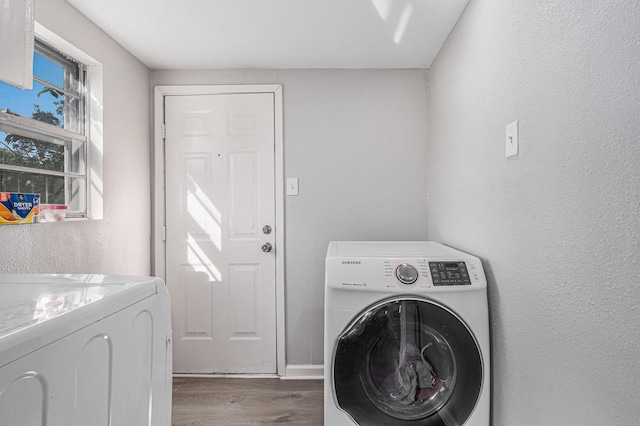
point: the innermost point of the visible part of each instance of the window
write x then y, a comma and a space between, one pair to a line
43, 138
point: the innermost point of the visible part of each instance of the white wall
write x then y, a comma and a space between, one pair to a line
356, 140
558, 226
120, 243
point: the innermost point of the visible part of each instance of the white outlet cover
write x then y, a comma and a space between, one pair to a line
292, 186
511, 139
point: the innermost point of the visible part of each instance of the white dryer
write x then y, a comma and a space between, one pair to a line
406, 335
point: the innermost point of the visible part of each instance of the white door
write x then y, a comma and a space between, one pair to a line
220, 204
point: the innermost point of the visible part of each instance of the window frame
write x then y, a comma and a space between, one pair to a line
73, 141
79, 81
91, 126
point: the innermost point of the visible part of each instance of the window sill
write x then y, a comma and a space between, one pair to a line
68, 219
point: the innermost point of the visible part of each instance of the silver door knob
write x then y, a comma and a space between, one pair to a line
266, 247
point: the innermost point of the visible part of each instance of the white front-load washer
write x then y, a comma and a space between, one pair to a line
406, 335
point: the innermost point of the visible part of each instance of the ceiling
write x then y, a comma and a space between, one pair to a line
211, 34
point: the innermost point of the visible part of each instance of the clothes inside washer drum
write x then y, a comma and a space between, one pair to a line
410, 378
398, 374
372, 376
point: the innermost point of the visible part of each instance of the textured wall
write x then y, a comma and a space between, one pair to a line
120, 243
356, 140
558, 226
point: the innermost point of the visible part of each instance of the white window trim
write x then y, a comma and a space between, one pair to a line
93, 117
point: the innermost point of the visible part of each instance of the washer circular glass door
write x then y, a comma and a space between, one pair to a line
407, 361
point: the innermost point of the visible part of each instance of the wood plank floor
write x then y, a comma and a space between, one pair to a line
240, 401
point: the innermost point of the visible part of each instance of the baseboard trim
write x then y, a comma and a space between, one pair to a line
292, 372
223, 375
304, 372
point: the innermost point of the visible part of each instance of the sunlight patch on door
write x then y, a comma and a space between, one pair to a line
200, 262
203, 218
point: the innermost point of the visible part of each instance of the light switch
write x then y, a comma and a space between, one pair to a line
292, 186
511, 140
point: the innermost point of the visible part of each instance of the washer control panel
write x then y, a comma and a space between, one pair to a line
449, 273
400, 267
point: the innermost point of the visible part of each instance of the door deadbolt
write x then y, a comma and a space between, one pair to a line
266, 247
266, 229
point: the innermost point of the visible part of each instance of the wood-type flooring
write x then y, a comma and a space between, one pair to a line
240, 401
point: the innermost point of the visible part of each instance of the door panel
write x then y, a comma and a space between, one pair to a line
219, 152
244, 196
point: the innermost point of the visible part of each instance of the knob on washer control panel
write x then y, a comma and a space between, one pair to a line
406, 273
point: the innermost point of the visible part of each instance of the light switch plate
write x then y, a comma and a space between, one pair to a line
511, 139
292, 186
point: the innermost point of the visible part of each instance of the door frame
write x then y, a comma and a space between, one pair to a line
158, 226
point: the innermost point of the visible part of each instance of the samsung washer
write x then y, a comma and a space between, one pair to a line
406, 335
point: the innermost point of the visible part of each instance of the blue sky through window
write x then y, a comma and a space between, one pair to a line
22, 102
48, 70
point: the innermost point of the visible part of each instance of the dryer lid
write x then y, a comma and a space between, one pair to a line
37, 309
